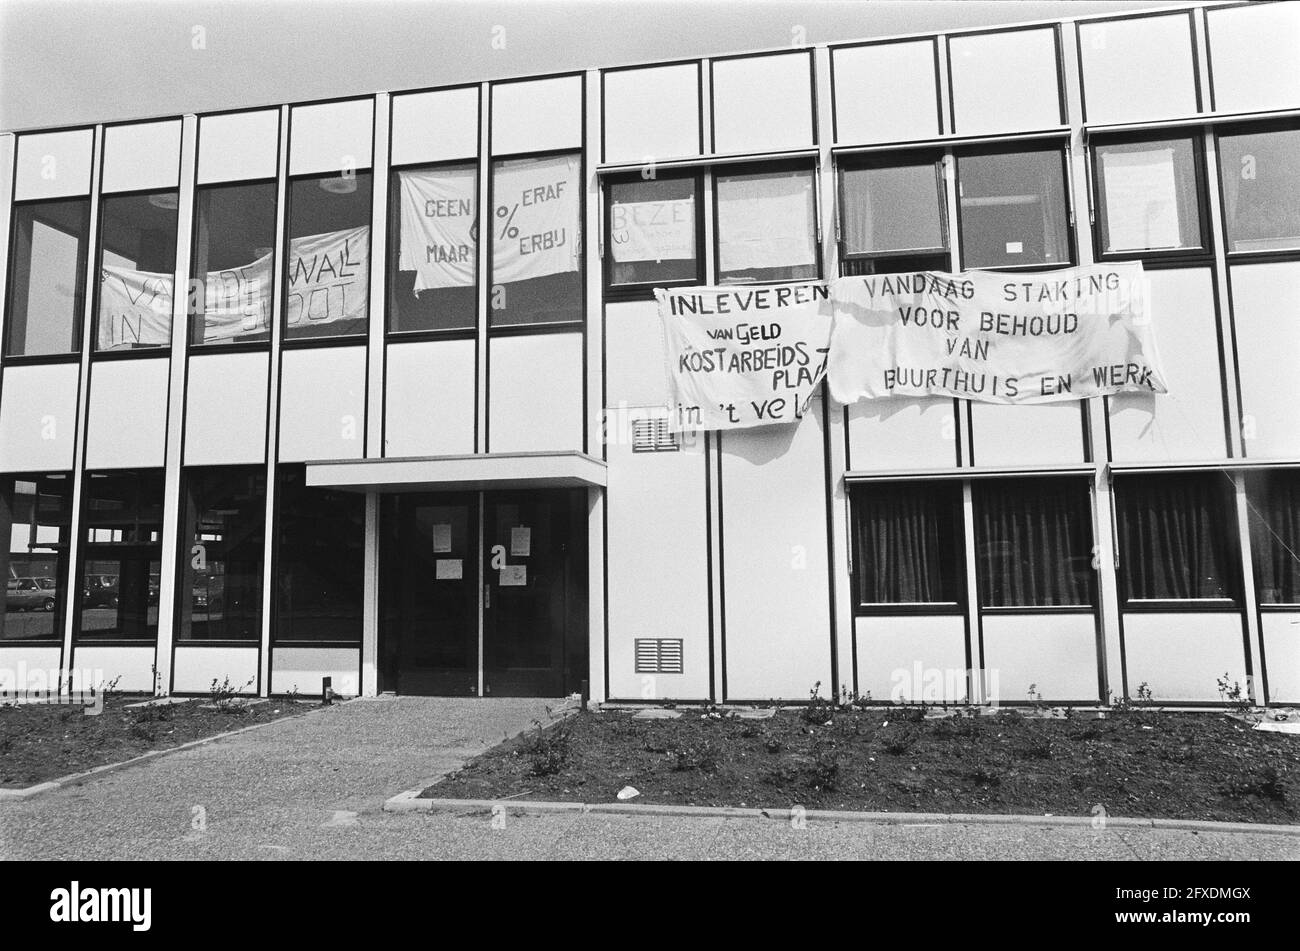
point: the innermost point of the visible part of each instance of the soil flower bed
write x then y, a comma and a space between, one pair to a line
40, 741
1142, 763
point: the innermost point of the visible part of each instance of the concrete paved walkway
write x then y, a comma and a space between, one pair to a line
314, 788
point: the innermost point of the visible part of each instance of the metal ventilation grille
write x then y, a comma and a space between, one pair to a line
658, 655
652, 435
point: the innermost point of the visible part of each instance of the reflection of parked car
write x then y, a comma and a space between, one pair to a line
100, 591
31, 594
207, 595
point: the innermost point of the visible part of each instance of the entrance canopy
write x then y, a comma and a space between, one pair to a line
485, 471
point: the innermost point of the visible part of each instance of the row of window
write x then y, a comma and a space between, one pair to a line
318, 556
1013, 211
1034, 544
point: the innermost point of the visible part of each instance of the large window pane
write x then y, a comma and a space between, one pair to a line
328, 268
1147, 196
767, 226
47, 284
652, 231
1013, 209
36, 514
1033, 543
1261, 184
221, 561
319, 561
536, 240
234, 258
1177, 537
909, 544
122, 557
137, 261
433, 248
892, 209
1275, 535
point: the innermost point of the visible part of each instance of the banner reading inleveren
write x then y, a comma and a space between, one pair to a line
743, 356
993, 336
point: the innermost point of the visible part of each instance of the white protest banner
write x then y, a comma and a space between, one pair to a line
237, 300
994, 337
652, 230
740, 357
439, 227
535, 222
766, 221
329, 277
135, 308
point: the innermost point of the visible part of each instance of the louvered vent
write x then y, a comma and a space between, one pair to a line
658, 655
652, 435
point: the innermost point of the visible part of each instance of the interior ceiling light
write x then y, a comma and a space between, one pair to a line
342, 185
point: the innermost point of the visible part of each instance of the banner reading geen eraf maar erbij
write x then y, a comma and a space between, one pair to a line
994, 337
739, 357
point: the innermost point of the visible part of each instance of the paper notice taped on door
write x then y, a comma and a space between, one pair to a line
442, 537
513, 576
449, 569
521, 540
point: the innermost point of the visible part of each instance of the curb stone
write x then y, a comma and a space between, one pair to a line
27, 792
409, 801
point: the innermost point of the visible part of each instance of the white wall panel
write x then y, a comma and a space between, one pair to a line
886, 92
1281, 631
652, 113
225, 409
1139, 68
1266, 312
38, 417
1026, 435
301, 669
1057, 653
657, 563
777, 588
902, 434
435, 126
535, 393
238, 145
762, 103
127, 414
1253, 56
142, 155
322, 403
27, 669
912, 658
633, 333
1004, 82
1187, 422
196, 667
1182, 656
537, 115
429, 399
331, 136
54, 164
132, 667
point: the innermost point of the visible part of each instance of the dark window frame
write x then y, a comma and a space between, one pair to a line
885, 262
87, 248
1259, 127
806, 165
132, 353
644, 290
64, 569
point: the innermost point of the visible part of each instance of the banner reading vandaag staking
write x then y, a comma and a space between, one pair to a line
740, 357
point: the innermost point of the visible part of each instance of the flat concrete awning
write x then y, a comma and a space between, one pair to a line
498, 470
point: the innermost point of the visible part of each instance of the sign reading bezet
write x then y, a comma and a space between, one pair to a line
995, 337
740, 357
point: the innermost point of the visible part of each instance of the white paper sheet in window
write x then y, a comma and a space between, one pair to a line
653, 230
766, 222
1141, 200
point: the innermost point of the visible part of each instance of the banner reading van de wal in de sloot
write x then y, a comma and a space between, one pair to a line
995, 337
739, 357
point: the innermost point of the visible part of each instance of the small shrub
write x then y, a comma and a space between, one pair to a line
1036, 747
702, 755
896, 744
1233, 695
824, 769
548, 749
225, 694
819, 709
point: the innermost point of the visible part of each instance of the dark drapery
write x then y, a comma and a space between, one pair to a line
1177, 537
1275, 535
908, 543
1033, 542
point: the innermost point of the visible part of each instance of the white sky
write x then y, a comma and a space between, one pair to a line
76, 61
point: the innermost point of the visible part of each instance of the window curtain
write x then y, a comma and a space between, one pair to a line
1176, 537
1052, 200
909, 544
1275, 536
1033, 542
